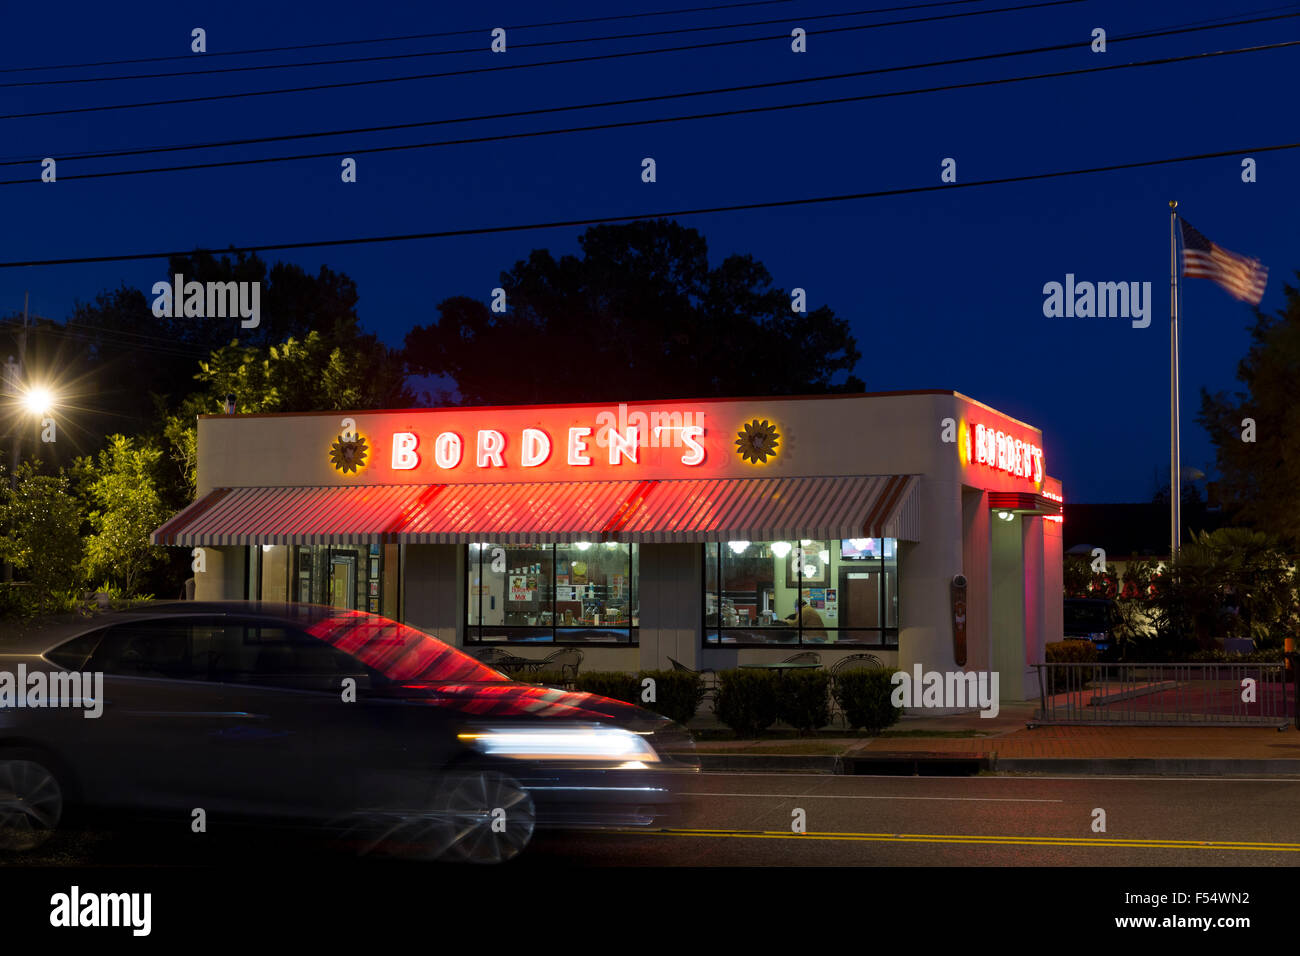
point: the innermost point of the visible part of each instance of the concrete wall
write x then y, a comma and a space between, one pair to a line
223, 579
672, 604
432, 577
977, 566
1007, 594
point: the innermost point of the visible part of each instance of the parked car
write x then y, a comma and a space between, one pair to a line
385, 736
1096, 620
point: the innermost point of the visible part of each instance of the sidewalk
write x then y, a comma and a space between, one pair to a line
1004, 744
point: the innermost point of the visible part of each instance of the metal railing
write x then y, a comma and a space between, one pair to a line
1202, 695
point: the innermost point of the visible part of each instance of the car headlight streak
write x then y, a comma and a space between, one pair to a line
603, 744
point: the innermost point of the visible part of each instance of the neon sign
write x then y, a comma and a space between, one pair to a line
492, 450
997, 449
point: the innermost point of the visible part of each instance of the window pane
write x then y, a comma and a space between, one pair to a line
711, 619
275, 573
474, 582
593, 584
891, 582
756, 589
150, 649
518, 578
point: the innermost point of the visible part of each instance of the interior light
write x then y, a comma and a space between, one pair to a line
809, 571
780, 548
738, 546
582, 545
825, 556
611, 545
805, 542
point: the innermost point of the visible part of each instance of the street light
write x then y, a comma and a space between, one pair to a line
38, 401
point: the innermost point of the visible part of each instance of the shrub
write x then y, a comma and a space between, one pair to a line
863, 694
803, 701
1069, 652
677, 694
613, 684
747, 700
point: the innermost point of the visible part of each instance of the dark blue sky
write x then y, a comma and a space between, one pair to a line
943, 290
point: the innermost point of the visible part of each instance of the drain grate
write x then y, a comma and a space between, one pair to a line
919, 765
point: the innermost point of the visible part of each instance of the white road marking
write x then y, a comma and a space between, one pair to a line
836, 796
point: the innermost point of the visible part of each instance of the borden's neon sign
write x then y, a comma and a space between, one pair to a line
997, 449
536, 447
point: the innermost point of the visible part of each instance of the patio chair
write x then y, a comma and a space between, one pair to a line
844, 664
807, 657
567, 660
708, 681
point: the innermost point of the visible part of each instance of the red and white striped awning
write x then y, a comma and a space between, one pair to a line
724, 509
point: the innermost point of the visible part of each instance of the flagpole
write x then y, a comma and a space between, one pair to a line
1175, 483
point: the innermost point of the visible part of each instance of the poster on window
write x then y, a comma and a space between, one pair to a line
519, 588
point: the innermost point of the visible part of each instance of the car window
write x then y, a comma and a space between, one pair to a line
162, 648
72, 655
273, 655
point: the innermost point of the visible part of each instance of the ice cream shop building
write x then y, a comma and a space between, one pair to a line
920, 527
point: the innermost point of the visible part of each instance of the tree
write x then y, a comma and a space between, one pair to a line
1259, 465
122, 487
640, 315
42, 517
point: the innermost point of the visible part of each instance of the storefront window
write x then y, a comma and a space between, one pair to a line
356, 577
801, 592
584, 592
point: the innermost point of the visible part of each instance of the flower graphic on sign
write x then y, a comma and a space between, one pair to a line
348, 456
757, 440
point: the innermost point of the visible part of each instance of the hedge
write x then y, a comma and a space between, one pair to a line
803, 700
864, 695
1069, 652
748, 700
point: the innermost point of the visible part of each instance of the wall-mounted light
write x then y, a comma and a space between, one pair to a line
1006, 516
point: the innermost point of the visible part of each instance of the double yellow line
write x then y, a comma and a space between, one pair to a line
976, 839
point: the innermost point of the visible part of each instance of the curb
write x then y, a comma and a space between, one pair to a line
959, 764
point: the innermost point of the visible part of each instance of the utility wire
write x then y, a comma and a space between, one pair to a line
430, 36
475, 49
517, 66
334, 154
598, 220
660, 97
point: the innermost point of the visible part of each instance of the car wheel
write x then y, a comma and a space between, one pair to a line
31, 803
491, 816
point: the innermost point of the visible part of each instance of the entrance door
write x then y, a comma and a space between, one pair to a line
343, 580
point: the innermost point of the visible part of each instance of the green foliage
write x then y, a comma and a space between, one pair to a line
1069, 652
647, 287
677, 694
803, 700
748, 700
1260, 479
863, 694
613, 684
122, 486
1081, 581
42, 521
551, 678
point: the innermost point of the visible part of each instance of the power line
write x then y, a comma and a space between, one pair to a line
421, 36
334, 154
478, 49
519, 66
599, 220
628, 101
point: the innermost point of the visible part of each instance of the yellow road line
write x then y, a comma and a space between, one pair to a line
974, 839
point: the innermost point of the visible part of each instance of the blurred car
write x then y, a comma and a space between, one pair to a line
1096, 620
383, 734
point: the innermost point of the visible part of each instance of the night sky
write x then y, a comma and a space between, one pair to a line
942, 290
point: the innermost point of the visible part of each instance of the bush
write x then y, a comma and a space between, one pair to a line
803, 701
613, 684
1069, 652
748, 700
863, 694
677, 694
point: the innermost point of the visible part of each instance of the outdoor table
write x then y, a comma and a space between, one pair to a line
780, 666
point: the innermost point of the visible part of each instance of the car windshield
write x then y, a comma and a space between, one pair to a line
397, 651
1086, 618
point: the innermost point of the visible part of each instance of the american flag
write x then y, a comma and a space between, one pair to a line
1241, 277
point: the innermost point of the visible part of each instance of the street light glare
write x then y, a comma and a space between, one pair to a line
38, 400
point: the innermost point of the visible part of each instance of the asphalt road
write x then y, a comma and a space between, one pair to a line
746, 820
